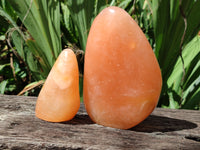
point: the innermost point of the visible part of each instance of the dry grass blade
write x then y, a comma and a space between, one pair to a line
31, 86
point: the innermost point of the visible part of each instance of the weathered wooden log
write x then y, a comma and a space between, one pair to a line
163, 129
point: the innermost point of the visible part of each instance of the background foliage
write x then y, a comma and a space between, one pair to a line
33, 33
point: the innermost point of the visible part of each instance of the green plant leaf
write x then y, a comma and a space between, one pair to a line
42, 20
124, 4
70, 31
3, 86
191, 9
169, 27
9, 19
8, 9
83, 13
193, 101
175, 25
184, 87
19, 43
37, 60
4, 65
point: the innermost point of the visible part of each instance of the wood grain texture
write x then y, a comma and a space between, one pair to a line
163, 129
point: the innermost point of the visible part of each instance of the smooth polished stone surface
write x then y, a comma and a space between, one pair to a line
59, 98
122, 78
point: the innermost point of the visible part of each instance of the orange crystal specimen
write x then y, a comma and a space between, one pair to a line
122, 78
59, 98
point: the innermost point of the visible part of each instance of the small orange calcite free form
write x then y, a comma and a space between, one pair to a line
59, 98
122, 78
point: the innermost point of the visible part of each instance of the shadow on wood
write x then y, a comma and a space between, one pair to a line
163, 124
82, 119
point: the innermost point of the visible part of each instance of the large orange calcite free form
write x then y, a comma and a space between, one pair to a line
122, 78
59, 98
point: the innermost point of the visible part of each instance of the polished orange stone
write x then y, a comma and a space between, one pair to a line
122, 78
59, 98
